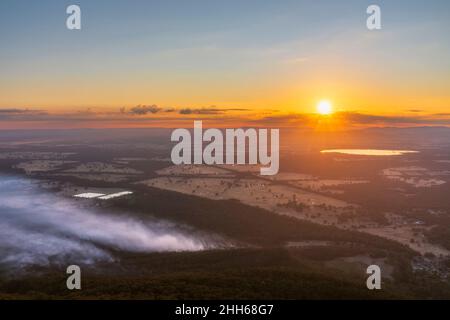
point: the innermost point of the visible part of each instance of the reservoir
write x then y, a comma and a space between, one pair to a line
369, 152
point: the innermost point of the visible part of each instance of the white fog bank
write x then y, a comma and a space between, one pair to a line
37, 228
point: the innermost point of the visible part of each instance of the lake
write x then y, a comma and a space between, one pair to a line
369, 152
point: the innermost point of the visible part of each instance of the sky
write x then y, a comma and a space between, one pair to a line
252, 59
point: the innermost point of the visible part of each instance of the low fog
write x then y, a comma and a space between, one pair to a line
39, 228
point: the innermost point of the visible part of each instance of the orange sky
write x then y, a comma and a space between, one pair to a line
273, 61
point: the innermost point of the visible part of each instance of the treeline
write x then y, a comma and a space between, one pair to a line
221, 274
269, 273
241, 222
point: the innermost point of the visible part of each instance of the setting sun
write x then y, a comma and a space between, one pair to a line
324, 107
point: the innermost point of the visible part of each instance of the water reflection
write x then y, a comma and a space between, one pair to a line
369, 152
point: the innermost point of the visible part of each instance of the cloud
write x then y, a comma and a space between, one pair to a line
209, 110
12, 113
145, 109
442, 114
351, 118
8, 111
359, 118
153, 109
137, 113
201, 111
152, 115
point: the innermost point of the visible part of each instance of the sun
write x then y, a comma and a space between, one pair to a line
324, 107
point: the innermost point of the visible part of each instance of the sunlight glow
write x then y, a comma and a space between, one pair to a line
324, 107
